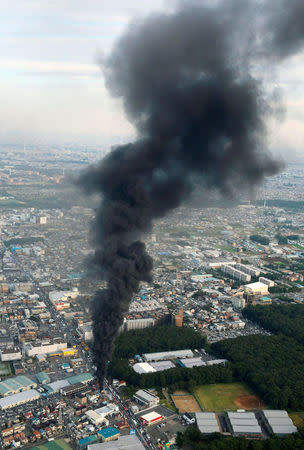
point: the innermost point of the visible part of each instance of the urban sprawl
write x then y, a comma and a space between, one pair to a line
209, 264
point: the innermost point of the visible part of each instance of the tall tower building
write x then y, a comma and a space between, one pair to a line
178, 318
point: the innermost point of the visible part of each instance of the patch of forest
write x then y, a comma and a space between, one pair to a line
283, 319
175, 378
271, 365
157, 339
23, 240
288, 204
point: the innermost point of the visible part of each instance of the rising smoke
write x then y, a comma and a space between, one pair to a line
187, 84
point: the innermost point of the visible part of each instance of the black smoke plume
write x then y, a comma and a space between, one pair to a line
186, 83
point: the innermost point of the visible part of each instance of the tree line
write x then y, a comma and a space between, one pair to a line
193, 439
271, 365
23, 240
285, 319
175, 378
279, 288
288, 204
157, 339
264, 240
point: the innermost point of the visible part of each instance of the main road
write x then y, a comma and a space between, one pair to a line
74, 340
130, 417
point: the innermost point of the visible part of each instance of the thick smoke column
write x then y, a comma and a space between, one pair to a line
199, 114
285, 27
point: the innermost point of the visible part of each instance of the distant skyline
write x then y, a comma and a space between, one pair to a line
52, 86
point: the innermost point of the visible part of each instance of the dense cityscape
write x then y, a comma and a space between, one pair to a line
152, 225
210, 265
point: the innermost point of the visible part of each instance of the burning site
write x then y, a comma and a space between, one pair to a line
191, 82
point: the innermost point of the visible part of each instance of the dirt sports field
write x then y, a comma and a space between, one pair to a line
248, 402
185, 402
227, 396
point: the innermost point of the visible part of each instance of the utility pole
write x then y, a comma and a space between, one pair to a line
60, 416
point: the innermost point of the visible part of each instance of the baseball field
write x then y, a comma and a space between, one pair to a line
227, 396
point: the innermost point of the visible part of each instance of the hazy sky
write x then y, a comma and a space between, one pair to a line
51, 84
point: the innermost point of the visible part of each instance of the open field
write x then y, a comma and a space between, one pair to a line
232, 396
58, 444
228, 249
185, 402
298, 419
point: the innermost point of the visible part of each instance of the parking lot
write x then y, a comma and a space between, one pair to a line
167, 430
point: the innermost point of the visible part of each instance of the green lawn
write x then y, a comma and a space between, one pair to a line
58, 444
299, 247
220, 397
168, 405
5, 369
228, 249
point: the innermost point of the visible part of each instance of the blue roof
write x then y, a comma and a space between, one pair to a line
16, 384
106, 433
43, 377
87, 440
76, 275
180, 363
49, 389
81, 378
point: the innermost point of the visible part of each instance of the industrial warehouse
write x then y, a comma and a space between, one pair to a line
207, 422
146, 399
151, 418
246, 424
197, 362
157, 362
128, 442
43, 378
106, 435
19, 399
21, 389
17, 384
99, 415
160, 356
278, 422
59, 385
